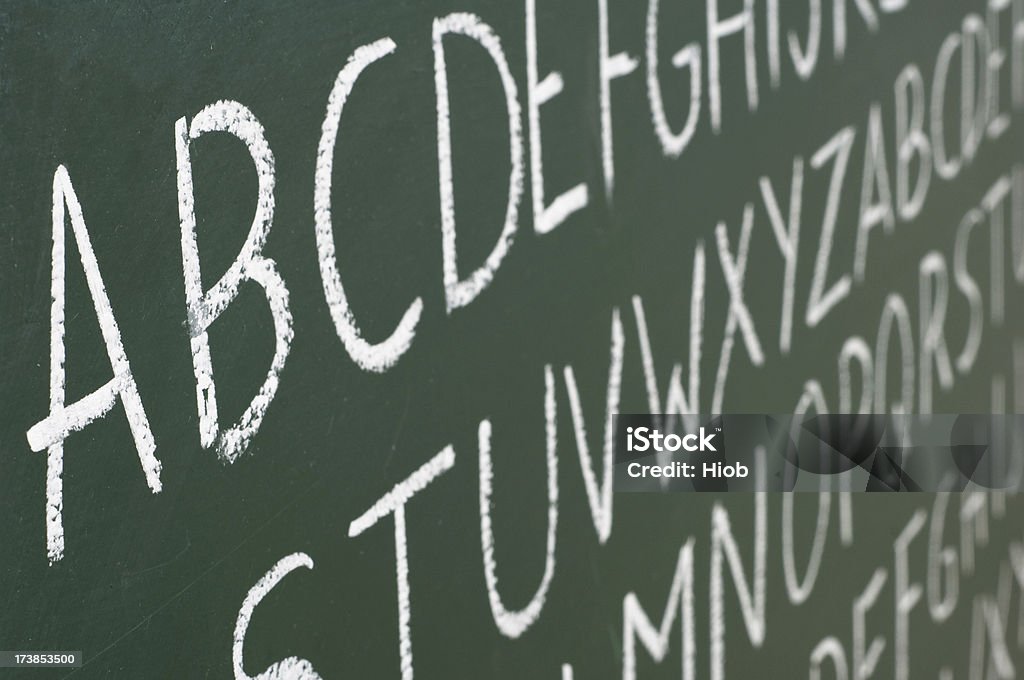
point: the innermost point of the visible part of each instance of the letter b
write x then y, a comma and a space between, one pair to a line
911, 142
250, 265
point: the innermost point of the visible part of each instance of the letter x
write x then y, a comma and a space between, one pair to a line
735, 271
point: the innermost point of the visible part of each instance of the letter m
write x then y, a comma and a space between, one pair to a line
637, 626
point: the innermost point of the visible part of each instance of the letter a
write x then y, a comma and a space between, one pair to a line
64, 419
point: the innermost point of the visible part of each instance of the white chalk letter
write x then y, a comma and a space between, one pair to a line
637, 626
64, 419
672, 143
513, 623
934, 303
545, 217
787, 235
599, 496
752, 597
609, 67
721, 28
250, 265
821, 301
291, 668
370, 357
875, 178
459, 293
911, 142
393, 503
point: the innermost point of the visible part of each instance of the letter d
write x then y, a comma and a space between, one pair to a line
459, 293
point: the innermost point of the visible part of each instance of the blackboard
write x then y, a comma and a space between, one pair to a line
623, 236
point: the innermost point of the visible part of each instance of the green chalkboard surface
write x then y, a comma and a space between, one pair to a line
313, 317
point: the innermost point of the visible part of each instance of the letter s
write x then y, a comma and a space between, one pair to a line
292, 667
641, 436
